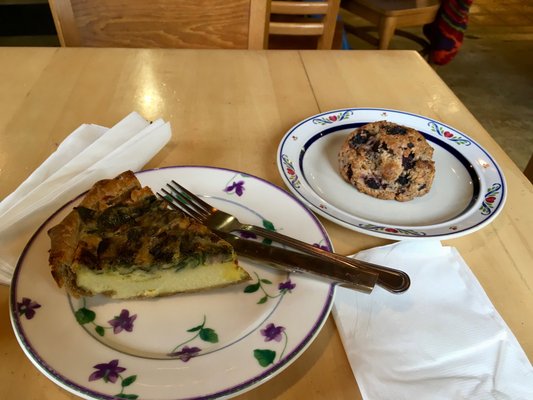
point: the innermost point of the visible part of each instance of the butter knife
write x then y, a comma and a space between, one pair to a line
293, 261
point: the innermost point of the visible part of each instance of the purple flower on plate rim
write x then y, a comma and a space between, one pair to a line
266, 357
109, 372
122, 322
286, 286
262, 284
320, 246
27, 307
202, 332
238, 187
247, 235
119, 323
186, 353
273, 332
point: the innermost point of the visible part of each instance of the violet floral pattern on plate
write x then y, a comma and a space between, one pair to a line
111, 372
261, 287
235, 185
322, 246
184, 352
122, 322
268, 225
27, 307
274, 333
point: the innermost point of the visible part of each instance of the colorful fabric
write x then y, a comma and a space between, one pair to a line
446, 33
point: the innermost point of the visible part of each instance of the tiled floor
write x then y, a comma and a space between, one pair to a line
493, 72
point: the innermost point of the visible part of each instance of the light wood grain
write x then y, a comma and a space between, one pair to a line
258, 25
305, 18
197, 24
230, 109
155, 23
299, 7
296, 28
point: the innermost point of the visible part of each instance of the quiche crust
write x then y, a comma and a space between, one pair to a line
123, 242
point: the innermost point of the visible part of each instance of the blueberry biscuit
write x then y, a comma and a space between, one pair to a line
387, 161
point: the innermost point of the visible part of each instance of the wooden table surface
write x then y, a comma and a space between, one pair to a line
230, 109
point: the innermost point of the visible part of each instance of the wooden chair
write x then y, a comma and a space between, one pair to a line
305, 19
236, 24
388, 15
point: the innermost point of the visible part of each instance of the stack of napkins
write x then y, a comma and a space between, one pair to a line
88, 154
440, 340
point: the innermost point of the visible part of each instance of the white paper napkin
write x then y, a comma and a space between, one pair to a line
88, 154
442, 339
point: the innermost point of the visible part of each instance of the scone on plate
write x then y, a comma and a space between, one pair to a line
387, 161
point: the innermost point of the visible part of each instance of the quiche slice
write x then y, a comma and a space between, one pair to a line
123, 242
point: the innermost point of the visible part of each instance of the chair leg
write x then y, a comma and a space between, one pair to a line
386, 29
529, 170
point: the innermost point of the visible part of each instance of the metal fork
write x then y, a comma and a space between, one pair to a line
393, 280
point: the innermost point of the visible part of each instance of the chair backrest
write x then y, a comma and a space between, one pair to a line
235, 24
305, 18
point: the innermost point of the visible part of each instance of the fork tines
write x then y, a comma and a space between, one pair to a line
180, 198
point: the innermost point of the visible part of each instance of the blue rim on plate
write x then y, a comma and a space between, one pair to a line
227, 354
468, 192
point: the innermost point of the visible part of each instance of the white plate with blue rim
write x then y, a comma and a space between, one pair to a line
214, 344
468, 190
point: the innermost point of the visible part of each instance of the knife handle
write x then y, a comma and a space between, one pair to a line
295, 261
391, 279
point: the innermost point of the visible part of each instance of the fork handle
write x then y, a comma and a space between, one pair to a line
391, 279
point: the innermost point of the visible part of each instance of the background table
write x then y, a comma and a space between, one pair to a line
230, 108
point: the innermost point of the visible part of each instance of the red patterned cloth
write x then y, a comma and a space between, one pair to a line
446, 33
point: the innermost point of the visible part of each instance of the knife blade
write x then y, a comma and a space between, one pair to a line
293, 261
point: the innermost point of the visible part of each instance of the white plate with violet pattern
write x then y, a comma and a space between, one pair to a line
214, 344
468, 190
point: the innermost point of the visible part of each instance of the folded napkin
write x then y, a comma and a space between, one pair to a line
442, 339
88, 154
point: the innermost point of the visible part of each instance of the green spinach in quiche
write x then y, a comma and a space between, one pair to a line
123, 242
